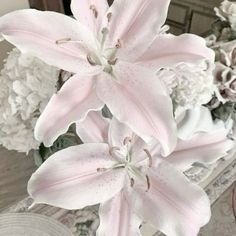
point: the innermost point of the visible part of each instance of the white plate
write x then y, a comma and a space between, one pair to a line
28, 224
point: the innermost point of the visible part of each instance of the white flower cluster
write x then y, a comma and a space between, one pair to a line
26, 85
225, 71
227, 12
189, 84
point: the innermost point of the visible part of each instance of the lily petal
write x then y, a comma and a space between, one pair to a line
40, 34
204, 148
135, 22
195, 120
117, 219
168, 49
71, 104
70, 178
90, 13
173, 204
94, 129
141, 102
118, 133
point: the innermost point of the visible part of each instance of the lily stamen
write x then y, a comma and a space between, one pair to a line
132, 182
112, 62
101, 169
94, 10
109, 15
127, 140
61, 41
105, 32
91, 61
118, 45
113, 149
69, 40
148, 183
150, 162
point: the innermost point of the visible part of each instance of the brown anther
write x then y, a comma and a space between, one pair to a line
148, 183
101, 169
149, 157
109, 15
94, 10
104, 30
112, 62
60, 41
127, 140
118, 45
112, 149
131, 182
91, 61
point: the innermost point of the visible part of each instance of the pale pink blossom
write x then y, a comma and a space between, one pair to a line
130, 179
107, 49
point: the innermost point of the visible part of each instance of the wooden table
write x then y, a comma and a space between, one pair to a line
15, 170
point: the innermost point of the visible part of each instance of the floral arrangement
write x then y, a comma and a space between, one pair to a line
223, 42
139, 109
25, 91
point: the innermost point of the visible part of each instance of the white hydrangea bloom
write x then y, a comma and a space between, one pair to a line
189, 85
27, 84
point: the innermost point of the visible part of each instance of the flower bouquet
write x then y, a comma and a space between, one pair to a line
131, 116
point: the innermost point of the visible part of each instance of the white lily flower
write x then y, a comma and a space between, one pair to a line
130, 179
114, 53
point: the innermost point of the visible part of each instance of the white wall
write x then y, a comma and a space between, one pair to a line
5, 7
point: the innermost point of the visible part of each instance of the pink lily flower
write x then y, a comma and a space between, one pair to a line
107, 49
200, 139
129, 178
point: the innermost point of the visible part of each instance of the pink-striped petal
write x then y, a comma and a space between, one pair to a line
71, 104
168, 49
117, 219
138, 99
94, 129
90, 13
41, 34
203, 148
70, 178
201, 139
173, 205
135, 24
